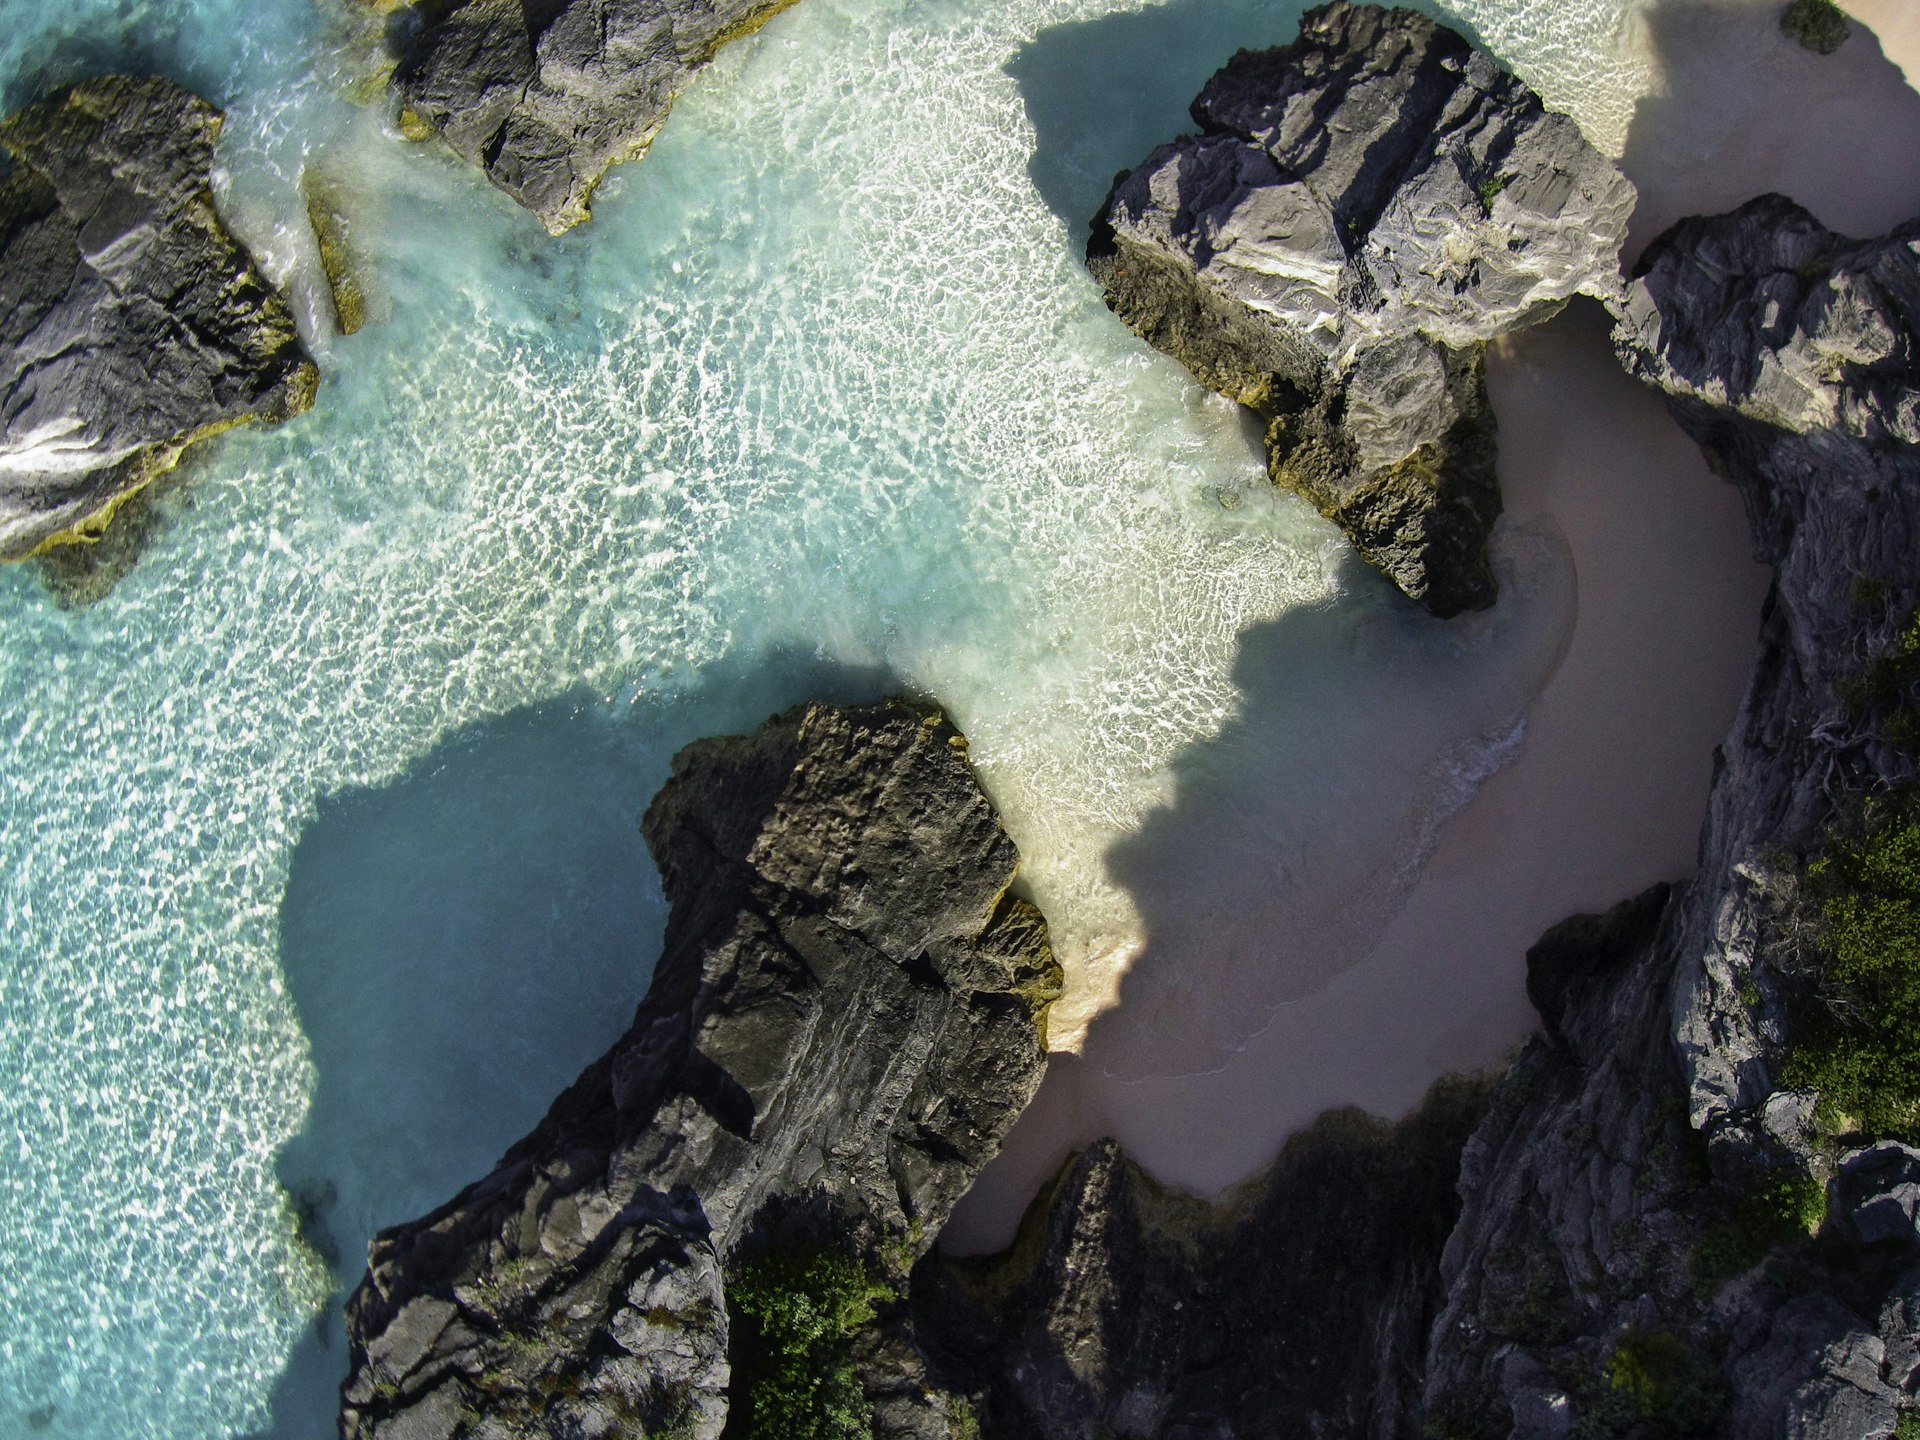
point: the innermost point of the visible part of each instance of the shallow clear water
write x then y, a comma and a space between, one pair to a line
322, 873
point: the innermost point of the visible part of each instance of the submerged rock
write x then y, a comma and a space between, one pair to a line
847, 1017
1361, 212
131, 322
330, 206
547, 97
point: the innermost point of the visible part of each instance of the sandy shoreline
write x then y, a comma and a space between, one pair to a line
1609, 789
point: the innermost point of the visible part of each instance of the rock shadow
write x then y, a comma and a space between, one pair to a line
1741, 110
1102, 93
460, 943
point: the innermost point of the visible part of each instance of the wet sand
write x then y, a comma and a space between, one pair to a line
1609, 789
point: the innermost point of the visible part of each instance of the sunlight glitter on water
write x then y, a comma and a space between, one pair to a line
822, 387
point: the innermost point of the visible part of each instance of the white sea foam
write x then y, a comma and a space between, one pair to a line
822, 391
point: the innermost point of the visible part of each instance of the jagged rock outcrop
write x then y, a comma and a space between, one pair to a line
1647, 1188
1793, 356
1300, 1306
1361, 212
131, 322
1655, 1237
547, 97
847, 1016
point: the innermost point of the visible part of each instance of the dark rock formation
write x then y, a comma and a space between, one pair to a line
847, 1017
131, 323
1362, 211
1299, 1307
547, 97
1632, 1251
1655, 1238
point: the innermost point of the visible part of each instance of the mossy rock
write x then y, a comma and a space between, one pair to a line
1820, 25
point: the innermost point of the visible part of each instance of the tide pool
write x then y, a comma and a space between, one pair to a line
321, 865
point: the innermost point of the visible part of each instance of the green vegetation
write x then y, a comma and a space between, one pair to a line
1820, 25
1889, 686
1655, 1385
1650, 1367
796, 1311
1788, 1208
1491, 187
1908, 1426
1861, 1049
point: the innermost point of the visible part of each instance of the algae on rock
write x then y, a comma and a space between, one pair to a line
132, 324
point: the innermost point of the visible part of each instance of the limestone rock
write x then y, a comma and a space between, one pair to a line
547, 97
1638, 1185
846, 1018
131, 322
1299, 1307
1361, 212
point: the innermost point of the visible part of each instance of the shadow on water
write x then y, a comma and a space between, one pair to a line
1359, 728
133, 37
461, 942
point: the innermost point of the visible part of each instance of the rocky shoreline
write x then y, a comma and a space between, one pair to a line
132, 323
1678, 1213
1650, 1225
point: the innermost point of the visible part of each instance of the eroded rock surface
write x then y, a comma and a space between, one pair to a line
1299, 1307
1630, 1251
1361, 212
547, 97
847, 1017
131, 322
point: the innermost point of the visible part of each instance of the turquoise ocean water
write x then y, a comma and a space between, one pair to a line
319, 863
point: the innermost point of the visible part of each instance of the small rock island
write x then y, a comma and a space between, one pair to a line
132, 323
1360, 213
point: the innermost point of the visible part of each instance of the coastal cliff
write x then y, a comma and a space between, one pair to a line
847, 1016
547, 98
132, 324
1691, 1210
1360, 213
